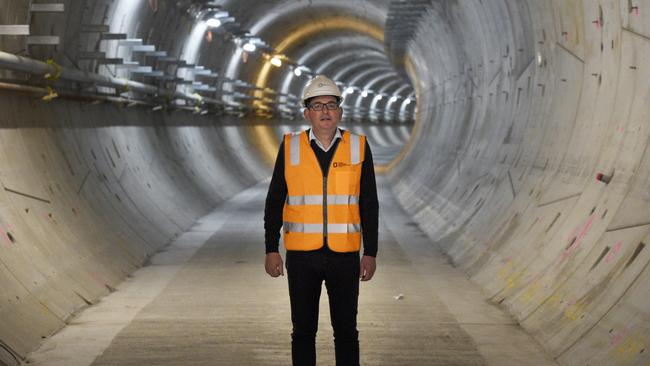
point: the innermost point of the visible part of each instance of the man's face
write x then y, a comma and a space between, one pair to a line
323, 120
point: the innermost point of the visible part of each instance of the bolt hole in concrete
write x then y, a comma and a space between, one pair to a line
637, 250
571, 243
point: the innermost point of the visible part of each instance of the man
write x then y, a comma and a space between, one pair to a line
323, 192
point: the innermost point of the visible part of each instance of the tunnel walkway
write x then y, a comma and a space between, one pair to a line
206, 300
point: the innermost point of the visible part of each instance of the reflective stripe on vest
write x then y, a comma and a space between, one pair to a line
295, 148
355, 151
332, 199
297, 227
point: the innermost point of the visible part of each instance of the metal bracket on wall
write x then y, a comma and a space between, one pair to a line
47, 8
14, 30
44, 40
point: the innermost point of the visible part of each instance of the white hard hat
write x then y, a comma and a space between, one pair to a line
320, 85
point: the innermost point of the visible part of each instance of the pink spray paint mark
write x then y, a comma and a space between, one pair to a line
4, 235
619, 336
569, 304
573, 233
579, 238
586, 227
614, 251
96, 277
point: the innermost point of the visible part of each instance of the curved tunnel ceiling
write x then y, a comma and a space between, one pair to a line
517, 142
326, 35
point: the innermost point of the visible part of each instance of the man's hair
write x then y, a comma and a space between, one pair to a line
308, 100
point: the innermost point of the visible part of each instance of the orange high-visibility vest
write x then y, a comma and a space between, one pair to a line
319, 206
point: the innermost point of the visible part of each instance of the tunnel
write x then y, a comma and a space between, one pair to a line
510, 146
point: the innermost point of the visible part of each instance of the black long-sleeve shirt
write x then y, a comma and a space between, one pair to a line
368, 203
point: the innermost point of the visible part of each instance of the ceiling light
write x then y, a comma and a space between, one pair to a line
297, 71
364, 93
349, 90
275, 61
220, 15
407, 101
393, 99
213, 22
249, 47
379, 97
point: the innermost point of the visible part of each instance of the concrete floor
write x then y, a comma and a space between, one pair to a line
206, 300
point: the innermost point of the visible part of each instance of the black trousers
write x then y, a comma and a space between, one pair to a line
306, 272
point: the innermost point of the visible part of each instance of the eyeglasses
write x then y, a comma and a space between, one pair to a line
320, 106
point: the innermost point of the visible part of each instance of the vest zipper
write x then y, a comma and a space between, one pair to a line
325, 190
325, 209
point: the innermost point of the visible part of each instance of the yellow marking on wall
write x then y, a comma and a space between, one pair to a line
382, 169
505, 271
574, 311
554, 300
509, 276
514, 279
531, 291
629, 349
44, 308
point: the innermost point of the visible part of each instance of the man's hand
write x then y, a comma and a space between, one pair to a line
368, 266
273, 264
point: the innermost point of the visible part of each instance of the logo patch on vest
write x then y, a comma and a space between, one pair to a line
340, 164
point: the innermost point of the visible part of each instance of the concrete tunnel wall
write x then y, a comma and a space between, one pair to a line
85, 205
520, 105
